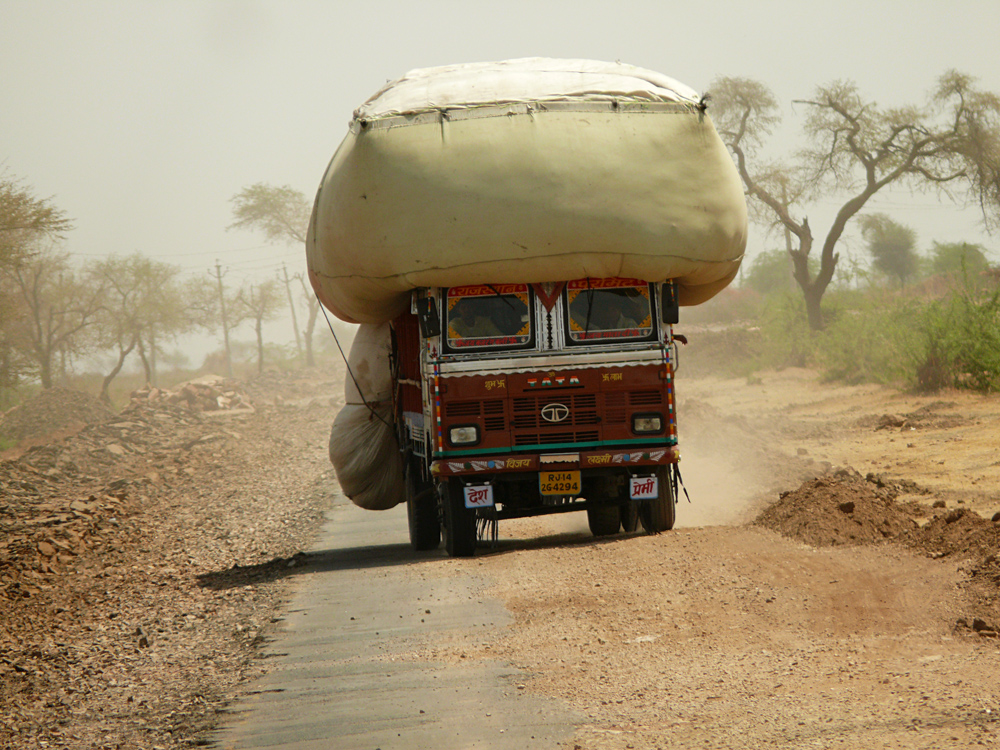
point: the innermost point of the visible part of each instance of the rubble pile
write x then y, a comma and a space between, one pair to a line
208, 393
59, 497
111, 634
52, 410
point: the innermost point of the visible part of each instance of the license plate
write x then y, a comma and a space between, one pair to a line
643, 488
478, 496
559, 482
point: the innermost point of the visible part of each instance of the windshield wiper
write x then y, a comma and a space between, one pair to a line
502, 297
590, 306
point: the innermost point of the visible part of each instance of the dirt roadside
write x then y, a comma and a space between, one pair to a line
141, 558
124, 623
727, 634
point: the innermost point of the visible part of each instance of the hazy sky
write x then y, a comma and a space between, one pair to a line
142, 119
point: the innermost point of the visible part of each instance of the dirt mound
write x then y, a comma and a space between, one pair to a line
924, 418
960, 533
845, 509
51, 411
841, 508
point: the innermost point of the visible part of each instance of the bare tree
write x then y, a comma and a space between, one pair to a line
282, 215
261, 303
951, 146
142, 305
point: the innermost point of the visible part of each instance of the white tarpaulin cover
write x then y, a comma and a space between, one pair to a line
524, 171
363, 446
527, 80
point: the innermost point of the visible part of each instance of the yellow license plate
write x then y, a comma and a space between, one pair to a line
559, 482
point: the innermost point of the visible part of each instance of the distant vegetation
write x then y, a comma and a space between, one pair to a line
56, 312
855, 149
940, 330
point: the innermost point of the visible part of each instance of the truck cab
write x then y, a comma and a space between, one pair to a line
516, 400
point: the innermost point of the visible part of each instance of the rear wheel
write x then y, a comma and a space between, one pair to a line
459, 521
659, 513
604, 520
629, 512
422, 513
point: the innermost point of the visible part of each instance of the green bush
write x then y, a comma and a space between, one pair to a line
869, 341
960, 342
884, 337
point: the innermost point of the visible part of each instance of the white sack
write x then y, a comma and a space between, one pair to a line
527, 171
363, 447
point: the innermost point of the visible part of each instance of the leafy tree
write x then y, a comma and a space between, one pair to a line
59, 307
769, 272
261, 303
892, 246
957, 258
282, 214
25, 221
951, 145
143, 304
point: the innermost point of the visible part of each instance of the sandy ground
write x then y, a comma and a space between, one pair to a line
721, 634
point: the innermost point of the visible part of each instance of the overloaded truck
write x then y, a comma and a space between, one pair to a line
515, 240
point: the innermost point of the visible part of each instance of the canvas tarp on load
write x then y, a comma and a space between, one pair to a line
527, 171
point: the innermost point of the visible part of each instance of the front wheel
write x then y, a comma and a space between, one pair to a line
459, 521
659, 513
422, 513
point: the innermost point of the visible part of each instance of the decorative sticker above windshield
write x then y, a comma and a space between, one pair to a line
488, 316
601, 310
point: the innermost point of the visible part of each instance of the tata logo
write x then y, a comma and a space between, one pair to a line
555, 412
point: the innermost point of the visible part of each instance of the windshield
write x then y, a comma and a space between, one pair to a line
608, 309
489, 317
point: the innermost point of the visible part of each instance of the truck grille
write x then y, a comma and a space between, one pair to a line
491, 411
645, 398
578, 427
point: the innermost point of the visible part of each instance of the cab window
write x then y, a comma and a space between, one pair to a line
488, 317
609, 310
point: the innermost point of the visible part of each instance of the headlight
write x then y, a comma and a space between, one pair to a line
647, 424
464, 435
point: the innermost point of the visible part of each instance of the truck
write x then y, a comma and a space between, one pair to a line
517, 400
515, 240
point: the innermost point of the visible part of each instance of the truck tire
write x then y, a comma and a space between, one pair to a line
459, 522
629, 512
659, 513
604, 520
422, 514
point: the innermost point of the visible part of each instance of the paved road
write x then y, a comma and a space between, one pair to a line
362, 600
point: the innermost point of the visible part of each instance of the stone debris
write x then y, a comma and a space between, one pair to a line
207, 393
108, 636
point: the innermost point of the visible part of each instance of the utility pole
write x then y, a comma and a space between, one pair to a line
225, 321
291, 304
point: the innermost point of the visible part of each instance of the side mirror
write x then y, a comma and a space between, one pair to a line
430, 323
669, 309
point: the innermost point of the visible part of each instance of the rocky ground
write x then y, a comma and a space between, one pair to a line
833, 583
141, 554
